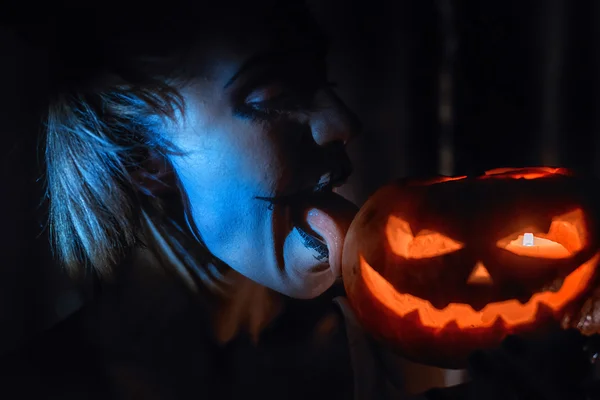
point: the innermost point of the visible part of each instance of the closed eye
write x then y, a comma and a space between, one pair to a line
283, 88
285, 97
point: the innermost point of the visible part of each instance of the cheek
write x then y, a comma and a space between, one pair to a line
223, 209
221, 175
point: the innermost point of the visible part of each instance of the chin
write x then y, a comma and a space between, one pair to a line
310, 285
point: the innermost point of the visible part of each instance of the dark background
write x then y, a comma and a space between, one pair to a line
441, 86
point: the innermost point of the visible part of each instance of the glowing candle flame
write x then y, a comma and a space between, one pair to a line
533, 246
528, 239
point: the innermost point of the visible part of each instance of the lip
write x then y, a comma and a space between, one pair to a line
334, 207
295, 205
302, 198
317, 244
301, 195
325, 186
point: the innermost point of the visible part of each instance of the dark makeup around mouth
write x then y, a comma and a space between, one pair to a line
310, 238
314, 242
304, 194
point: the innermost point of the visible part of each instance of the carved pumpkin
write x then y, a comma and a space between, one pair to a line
438, 268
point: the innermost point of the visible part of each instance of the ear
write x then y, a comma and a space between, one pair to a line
155, 176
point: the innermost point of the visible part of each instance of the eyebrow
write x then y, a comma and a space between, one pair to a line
273, 57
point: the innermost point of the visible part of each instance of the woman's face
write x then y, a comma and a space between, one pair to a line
261, 126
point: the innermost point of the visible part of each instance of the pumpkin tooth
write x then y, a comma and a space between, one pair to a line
544, 312
440, 304
451, 326
414, 317
524, 299
499, 326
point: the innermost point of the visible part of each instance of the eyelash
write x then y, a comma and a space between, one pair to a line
292, 100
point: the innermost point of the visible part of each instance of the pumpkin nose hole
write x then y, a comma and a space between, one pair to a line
480, 276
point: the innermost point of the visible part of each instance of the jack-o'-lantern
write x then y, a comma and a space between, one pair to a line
438, 268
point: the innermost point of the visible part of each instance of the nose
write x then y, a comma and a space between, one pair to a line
480, 275
333, 121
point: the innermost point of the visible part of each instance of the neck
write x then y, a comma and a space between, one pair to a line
247, 309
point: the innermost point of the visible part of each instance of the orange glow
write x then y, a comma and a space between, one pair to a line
511, 312
565, 237
426, 244
439, 179
480, 276
527, 173
541, 248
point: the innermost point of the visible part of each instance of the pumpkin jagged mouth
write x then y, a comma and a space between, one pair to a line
509, 312
477, 291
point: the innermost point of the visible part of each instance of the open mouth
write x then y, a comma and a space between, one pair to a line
327, 182
320, 217
302, 200
508, 313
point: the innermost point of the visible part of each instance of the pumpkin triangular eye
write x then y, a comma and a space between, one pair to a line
566, 236
480, 276
425, 244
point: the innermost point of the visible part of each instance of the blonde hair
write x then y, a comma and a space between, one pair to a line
105, 120
91, 146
